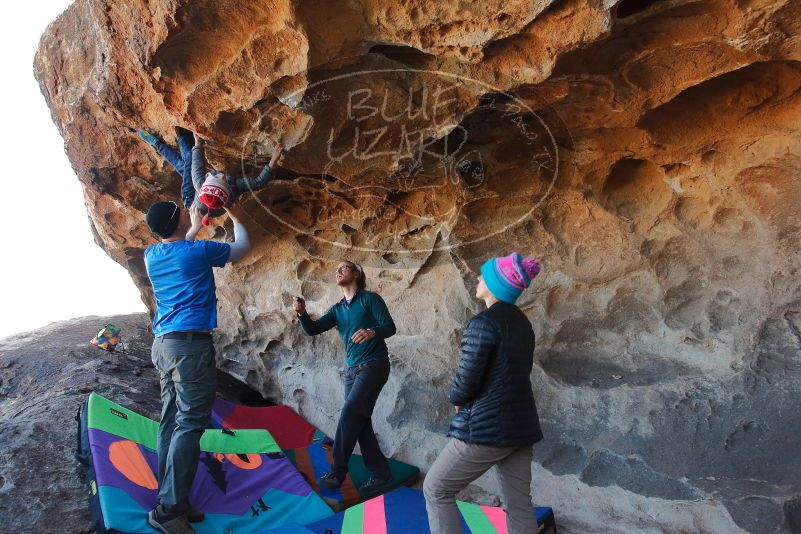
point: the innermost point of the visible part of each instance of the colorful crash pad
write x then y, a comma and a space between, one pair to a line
244, 482
403, 511
309, 449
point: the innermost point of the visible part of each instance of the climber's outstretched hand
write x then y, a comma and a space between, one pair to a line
279, 149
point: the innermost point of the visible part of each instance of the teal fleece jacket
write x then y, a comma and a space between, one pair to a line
366, 310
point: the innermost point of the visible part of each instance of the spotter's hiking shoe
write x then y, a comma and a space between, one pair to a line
374, 484
194, 515
167, 523
330, 481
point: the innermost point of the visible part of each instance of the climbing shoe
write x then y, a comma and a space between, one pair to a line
330, 480
168, 523
374, 484
194, 515
183, 132
148, 135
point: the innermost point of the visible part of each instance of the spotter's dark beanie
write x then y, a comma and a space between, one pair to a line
163, 217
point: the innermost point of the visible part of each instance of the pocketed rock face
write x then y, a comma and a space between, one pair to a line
648, 152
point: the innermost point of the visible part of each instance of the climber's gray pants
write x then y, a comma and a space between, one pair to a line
188, 383
461, 463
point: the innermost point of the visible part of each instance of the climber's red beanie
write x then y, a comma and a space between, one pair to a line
214, 192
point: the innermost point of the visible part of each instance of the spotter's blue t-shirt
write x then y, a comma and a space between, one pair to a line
183, 284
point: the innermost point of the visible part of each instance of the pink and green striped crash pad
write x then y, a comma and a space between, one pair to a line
244, 482
309, 449
403, 511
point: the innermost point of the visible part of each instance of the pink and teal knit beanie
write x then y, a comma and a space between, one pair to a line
508, 276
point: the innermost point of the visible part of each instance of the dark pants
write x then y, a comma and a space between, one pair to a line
363, 384
188, 383
182, 162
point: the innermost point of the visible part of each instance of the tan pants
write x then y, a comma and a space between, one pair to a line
461, 463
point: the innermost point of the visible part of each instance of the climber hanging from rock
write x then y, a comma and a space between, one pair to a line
211, 190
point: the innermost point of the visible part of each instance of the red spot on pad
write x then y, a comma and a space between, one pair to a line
289, 429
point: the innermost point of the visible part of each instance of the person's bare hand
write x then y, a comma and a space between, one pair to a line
196, 222
457, 408
362, 335
198, 139
195, 216
278, 150
299, 305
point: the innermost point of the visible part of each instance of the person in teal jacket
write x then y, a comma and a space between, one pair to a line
363, 322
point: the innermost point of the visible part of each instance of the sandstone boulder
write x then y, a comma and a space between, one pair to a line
648, 152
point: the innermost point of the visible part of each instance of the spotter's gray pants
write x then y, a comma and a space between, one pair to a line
461, 463
188, 382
